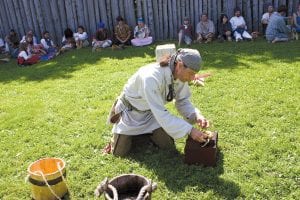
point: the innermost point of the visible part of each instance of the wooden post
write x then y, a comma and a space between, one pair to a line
179, 16
145, 10
40, 19
175, 18
35, 28
197, 13
192, 13
121, 8
249, 17
150, 16
62, 15
92, 19
18, 15
165, 19
97, 13
170, 17
156, 20
69, 13
85, 11
115, 9
139, 8
161, 25
56, 20
103, 15
11, 14
5, 18
111, 21
215, 14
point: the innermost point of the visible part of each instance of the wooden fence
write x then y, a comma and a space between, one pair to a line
162, 16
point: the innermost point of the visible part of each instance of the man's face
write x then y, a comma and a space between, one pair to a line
183, 73
46, 35
270, 9
238, 13
204, 18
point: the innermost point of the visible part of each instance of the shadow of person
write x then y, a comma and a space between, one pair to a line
177, 176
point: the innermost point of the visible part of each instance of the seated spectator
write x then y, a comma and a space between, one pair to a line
25, 57
68, 33
277, 30
81, 38
239, 26
185, 32
225, 29
266, 17
102, 37
122, 33
33, 49
205, 29
69, 44
141, 34
12, 43
2, 46
30, 32
296, 20
48, 43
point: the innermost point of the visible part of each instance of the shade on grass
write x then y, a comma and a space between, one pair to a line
59, 109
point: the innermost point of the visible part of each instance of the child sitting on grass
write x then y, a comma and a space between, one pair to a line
81, 38
25, 57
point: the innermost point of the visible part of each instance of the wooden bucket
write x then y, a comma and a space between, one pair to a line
47, 178
127, 186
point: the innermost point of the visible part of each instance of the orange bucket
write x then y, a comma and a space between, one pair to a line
47, 178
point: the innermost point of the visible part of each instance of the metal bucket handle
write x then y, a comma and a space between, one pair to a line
104, 186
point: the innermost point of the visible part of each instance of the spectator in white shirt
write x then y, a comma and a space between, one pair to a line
81, 38
30, 32
47, 43
266, 17
239, 26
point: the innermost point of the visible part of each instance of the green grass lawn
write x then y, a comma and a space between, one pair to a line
59, 109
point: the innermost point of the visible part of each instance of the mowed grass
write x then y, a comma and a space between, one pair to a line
59, 109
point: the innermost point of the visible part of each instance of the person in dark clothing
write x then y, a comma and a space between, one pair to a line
225, 29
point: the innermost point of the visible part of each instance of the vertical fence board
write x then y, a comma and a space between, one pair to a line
11, 13
121, 8
175, 19
248, 18
170, 16
139, 8
40, 18
97, 13
4, 18
192, 13
215, 13
155, 33
145, 10
130, 14
111, 21
92, 17
103, 15
56, 19
62, 14
150, 16
18, 15
165, 19
69, 13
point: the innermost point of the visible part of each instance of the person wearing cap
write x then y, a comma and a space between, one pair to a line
239, 26
185, 32
141, 34
122, 33
266, 17
101, 38
140, 109
277, 31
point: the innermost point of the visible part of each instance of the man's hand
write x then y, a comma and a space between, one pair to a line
198, 135
199, 79
202, 122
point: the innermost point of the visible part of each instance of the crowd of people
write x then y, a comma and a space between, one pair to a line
28, 50
276, 27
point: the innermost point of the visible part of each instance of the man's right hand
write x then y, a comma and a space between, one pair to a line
198, 135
